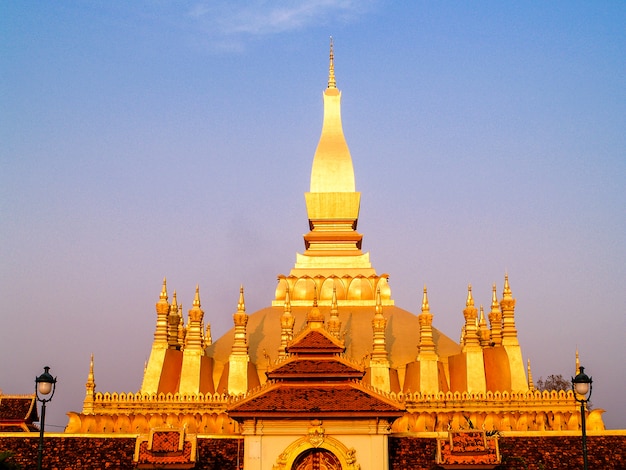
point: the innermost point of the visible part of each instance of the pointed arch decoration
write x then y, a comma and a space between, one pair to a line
317, 439
360, 289
326, 289
303, 289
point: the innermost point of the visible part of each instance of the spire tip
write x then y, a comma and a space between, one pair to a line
332, 82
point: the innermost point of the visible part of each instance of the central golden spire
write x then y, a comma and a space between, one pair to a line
332, 260
332, 165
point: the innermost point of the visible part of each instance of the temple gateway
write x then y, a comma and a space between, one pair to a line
334, 370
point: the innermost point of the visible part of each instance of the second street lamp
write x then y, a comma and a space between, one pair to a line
582, 385
45, 385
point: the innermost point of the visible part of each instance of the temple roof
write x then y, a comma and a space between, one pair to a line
315, 367
321, 400
18, 412
318, 341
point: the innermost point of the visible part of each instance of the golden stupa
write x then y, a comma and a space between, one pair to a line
332, 325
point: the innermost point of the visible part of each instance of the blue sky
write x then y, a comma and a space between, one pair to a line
147, 139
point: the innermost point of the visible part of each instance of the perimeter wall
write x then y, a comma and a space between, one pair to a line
543, 452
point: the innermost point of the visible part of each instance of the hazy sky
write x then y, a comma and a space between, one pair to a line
141, 139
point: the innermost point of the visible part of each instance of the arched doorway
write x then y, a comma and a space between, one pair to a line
316, 459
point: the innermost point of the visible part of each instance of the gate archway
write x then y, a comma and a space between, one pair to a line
317, 451
317, 459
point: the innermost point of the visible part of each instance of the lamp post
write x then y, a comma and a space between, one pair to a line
581, 385
44, 386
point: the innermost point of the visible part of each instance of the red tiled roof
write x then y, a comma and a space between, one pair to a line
321, 367
284, 399
318, 341
16, 410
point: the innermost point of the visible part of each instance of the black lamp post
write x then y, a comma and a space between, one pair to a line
44, 386
581, 385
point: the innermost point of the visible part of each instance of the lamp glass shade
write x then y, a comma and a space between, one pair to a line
581, 387
44, 387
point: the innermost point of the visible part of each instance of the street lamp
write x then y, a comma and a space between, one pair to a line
44, 386
581, 385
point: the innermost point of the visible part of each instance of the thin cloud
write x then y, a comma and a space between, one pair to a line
265, 18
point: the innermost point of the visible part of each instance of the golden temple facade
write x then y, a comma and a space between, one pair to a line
332, 330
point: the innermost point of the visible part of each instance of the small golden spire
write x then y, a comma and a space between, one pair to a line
172, 324
483, 331
507, 288
425, 306
163, 295
332, 83
287, 301
577, 362
471, 334
495, 305
315, 318
495, 319
286, 326
470, 300
162, 311
241, 305
426, 345
90, 387
196, 299
91, 378
379, 323
194, 336
174, 305
531, 384
379, 303
334, 325
181, 326
208, 339
507, 305
287, 318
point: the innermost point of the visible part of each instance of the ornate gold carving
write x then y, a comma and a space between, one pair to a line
526, 411
316, 436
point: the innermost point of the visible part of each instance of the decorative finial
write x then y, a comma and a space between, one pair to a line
315, 318
208, 339
379, 303
163, 295
241, 305
90, 387
332, 83
196, 299
425, 306
333, 302
470, 300
531, 384
287, 301
507, 288
91, 376
494, 297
